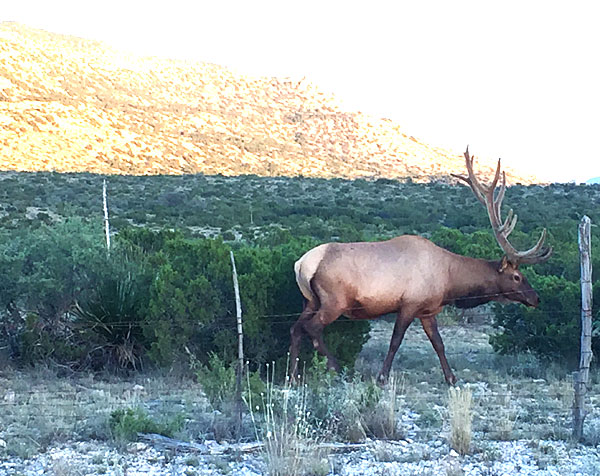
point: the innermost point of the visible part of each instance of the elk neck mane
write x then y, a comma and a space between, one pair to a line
472, 281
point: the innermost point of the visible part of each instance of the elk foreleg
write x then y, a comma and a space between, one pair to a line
402, 322
431, 329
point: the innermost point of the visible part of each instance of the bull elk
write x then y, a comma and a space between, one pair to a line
410, 276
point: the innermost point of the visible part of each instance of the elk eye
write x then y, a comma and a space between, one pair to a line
517, 278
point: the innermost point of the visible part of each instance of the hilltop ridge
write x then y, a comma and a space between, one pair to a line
71, 105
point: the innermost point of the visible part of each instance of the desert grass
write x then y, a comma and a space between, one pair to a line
509, 413
62, 467
291, 443
460, 400
496, 412
513, 397
38, 408
382, 420
361, 409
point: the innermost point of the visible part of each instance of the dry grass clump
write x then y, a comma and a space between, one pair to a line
382, 420
63, 467
291, 444
354, 408
507, 418
461, 418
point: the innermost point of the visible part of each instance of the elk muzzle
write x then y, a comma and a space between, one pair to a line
531, 298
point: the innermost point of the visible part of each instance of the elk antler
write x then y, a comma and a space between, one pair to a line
485, 194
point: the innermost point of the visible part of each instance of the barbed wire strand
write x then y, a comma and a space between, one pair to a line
489, 315
160, 403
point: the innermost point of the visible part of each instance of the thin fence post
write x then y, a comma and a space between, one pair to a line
580, 378
106, 225
240, 369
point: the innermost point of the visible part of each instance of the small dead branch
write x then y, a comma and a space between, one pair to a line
165, 443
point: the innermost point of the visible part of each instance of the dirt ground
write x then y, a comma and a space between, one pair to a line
521, 419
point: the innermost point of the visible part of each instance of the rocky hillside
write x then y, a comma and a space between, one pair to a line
68, 105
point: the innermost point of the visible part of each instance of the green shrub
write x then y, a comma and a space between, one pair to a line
217, 380
191, 303
39, 342
228, 235
551, 330
44, 271
125, 424
191, 300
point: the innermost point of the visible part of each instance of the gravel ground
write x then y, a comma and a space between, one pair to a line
534, 401
400, 458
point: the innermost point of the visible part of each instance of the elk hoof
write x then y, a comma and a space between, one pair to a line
451, 379
382, 380
333, 366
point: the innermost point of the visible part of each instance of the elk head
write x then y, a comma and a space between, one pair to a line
513, 285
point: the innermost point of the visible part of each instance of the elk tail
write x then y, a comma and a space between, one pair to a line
305, 269
303, 280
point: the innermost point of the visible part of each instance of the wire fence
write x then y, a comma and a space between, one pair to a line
281, 318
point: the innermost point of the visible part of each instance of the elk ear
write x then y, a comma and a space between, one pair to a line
503, 264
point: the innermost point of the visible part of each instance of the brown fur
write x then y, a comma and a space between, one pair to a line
407, 275
412, 277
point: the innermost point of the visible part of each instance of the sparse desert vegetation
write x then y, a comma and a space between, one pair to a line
308, 429
123, 361
97, 348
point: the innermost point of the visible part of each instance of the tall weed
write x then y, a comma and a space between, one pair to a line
291, 443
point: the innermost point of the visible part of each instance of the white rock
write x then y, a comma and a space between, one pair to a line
137, 447
9, 397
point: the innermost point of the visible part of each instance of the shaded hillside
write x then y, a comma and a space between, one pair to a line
70, 105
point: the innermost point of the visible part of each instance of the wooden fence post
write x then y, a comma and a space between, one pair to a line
240, 369
580, 378
106, 226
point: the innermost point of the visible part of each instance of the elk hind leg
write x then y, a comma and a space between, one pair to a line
296, 333
314, 328
431, 329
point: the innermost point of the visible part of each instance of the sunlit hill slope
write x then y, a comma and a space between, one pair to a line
71, 105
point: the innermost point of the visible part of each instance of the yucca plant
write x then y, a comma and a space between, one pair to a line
113, 316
